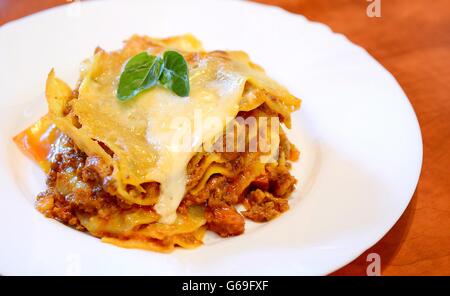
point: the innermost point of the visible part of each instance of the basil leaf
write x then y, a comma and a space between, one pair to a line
154, 73
140, 73
175, 75
143, 71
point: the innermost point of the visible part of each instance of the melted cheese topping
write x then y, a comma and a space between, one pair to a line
153, 136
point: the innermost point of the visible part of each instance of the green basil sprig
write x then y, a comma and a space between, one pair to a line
143, 71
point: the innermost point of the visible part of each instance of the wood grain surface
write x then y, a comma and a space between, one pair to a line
412, 40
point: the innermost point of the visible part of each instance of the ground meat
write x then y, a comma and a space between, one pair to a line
281, 182
75, 185
53, 205
95, 169
262, 182
224, 220
216, 188
263, 206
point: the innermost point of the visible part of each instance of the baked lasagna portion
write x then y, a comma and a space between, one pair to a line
141, 173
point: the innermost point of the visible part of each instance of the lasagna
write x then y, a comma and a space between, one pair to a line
141, 173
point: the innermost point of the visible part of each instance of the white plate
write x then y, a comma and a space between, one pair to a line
360, 139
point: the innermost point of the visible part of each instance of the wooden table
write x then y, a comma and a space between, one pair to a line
412, 40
